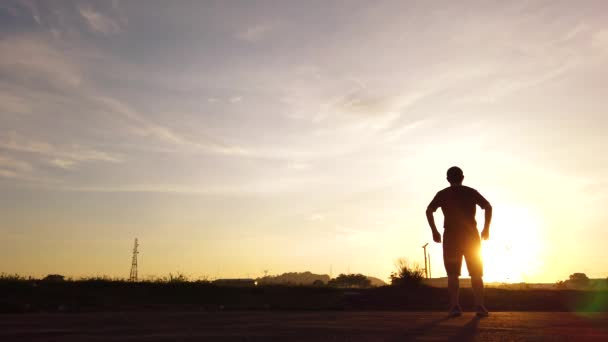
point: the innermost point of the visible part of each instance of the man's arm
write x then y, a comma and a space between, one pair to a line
434, 205
485, 233
487, 207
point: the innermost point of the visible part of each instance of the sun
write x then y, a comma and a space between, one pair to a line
512, 252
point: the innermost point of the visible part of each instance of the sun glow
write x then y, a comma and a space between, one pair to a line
512, 252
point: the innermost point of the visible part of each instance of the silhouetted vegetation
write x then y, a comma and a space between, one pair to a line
294, 278
580, 281
349, 281
407, 275
11, 278
27, 295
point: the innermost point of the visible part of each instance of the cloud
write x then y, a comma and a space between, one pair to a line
140, 125
98, 22
32, 60
15, 169
397, 133
74, 153
16, 165
65, 164
253, 33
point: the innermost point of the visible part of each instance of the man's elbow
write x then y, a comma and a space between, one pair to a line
429, 212
488, 207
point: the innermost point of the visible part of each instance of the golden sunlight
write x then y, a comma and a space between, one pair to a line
512, 252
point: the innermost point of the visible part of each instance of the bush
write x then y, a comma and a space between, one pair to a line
407, 275
350, 281
8, 278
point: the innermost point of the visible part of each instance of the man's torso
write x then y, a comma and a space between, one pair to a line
458, 204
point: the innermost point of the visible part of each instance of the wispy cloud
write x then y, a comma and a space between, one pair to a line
98, 22
15, 169
30, 59
15, 165
142, 126
65, 164
72, 153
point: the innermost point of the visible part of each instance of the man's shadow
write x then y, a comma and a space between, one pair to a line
468, 331
464, 333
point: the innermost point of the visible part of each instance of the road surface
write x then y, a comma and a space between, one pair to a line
304, 326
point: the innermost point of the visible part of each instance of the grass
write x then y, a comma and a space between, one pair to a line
179, 293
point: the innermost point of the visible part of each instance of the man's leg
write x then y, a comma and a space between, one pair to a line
452, 260
477, 285
453, 289
475, 266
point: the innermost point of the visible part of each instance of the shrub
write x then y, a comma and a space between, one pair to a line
350, 281
407, 275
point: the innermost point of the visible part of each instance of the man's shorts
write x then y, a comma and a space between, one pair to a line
459, 243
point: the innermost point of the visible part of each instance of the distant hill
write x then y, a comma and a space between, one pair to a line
376, 282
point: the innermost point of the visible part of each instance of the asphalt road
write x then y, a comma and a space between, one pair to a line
304, 326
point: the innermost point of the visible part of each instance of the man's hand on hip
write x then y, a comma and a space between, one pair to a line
485, 234
436, 236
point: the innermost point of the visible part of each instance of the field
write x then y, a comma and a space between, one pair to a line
22, 296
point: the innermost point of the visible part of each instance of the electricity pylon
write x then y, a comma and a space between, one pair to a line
133, 276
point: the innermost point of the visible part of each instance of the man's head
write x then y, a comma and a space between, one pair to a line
455, 175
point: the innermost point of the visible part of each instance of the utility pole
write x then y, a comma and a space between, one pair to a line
133, 276
430, 275
426, 269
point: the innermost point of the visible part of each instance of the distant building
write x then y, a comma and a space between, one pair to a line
244, 282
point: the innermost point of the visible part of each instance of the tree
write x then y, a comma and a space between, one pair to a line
578, 280
350, 281
407, 275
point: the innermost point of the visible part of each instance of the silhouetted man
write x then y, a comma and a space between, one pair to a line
460, 236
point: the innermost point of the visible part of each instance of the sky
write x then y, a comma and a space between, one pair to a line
236, 137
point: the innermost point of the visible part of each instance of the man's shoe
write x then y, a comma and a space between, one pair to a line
455, 311
481, 311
